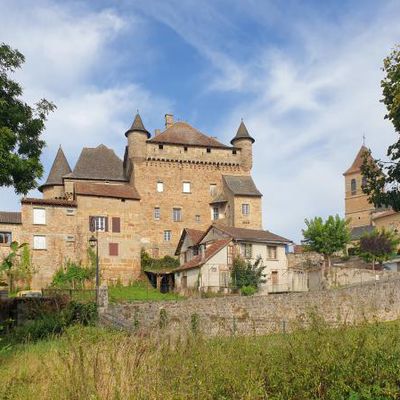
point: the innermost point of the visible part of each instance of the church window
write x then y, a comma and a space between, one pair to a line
177, 214
39, 242
197, 218
186, 187
5, 237
39, 216
353, 187
363, 182
246, 209
160, 187
215, 213
167, 236
208, 150
157, 213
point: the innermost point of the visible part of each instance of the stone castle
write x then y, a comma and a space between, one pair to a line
179, 178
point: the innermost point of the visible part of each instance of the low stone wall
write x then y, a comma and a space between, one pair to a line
259, 314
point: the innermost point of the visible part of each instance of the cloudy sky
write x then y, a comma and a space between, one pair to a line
304, 76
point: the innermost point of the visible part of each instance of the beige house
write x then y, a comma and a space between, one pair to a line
207, 257
176, 178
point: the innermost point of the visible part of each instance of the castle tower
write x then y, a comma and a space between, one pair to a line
137, 136
244, 142
357, 207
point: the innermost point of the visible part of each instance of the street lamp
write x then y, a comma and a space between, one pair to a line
94, 242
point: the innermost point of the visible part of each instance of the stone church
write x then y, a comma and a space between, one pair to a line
178, 178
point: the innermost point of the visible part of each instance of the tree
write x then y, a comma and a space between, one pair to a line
326, 237
20, 128
382, 179
247, 276
378, 246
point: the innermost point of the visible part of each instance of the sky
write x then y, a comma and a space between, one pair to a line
303, 75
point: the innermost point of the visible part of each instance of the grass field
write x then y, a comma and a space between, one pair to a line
320, 363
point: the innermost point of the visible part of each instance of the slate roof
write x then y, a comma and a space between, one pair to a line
242, 133
220, 198
137, 125
241, 185
119, 191
59, 168
199, 260
7, 217
49, 202
100, 163
181, 133
358, 161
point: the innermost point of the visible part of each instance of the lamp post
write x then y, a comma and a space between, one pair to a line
94, 242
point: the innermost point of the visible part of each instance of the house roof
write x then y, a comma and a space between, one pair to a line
100, 163
357, 232
256, 235
181, 133
358, 161
382, 214
195, 236
59, 168
210, 251
119, 191
137, 126
219, 198
7, 217
49, 202
241, 185
242, 133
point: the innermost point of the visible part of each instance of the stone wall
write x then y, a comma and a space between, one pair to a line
259, 314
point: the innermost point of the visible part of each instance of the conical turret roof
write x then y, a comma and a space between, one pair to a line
242, 133
59, 168
137, 126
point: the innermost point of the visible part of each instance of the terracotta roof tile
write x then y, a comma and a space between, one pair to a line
120, 191
7, 217
49, 202
358, 161
195, 235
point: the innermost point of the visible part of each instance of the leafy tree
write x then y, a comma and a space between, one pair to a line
326, 237
20, 128
247, 276
378, 246
382, 179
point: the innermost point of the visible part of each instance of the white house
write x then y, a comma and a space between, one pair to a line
206, 258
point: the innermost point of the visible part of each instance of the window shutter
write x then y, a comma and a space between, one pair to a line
116, 224
106, 224
113, 249
91, 224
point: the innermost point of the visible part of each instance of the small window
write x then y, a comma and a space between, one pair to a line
5, 238
233, 151
185, 148
167, 236
208, 150
229, 259
247, 250
186, 187
116, 224
271, 252
363, 182
160, 187
177, 214
98, 224
213, 189
113, 249
195, 251
353, 187
39, 216
157, 213
70, 238
246, 209
160, 146
215, 213
274, 277
197, 218
70, 211
39, 242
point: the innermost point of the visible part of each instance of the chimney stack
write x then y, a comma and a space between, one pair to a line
169, 120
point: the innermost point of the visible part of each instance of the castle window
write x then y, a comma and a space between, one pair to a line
116, 224
39, 242
157, 213
5, 238
160, 187
213, 189
167, 236
271, 250
233, 151
208, 150
160, 146
247, 250
113, 249
39, 216
215, 213
185, 148
246, 209
186, 187
197, 218
177, 214
353, 187
98, 224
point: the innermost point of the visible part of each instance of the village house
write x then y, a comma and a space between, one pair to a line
176, 178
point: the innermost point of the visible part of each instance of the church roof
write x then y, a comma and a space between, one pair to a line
241, 185
242, 133
59, 168
181, 133
358, 161
137, 125
99, 163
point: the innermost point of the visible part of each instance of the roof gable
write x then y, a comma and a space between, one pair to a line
189, 237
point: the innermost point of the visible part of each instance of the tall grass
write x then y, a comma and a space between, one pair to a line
354, 363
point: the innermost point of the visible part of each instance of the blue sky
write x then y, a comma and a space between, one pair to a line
304, 76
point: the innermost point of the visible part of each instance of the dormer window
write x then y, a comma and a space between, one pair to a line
353, 187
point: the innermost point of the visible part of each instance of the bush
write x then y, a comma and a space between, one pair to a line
248, 290
245, 274
73, 276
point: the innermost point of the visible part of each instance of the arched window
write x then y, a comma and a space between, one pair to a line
363, 182
353, 187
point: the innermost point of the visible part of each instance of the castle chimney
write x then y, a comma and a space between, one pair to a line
169, 120
156, 132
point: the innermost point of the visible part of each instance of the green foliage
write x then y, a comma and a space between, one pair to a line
20, 128
73, 276
162, 323
195, 323
154, 264
378, 246
246, 274
248, 290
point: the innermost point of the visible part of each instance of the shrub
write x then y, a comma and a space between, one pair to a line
244, 273
73, 276
248, 290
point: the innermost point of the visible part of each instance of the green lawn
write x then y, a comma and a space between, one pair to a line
138, 291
